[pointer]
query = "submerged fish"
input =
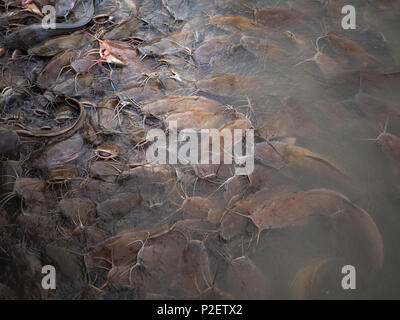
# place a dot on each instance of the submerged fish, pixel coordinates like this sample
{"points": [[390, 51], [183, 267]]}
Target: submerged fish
{"points": [[27, 36], [265, 49]]}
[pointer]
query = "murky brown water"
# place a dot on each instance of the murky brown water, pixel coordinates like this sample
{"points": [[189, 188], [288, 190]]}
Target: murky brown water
{"points": [[78, 193]]}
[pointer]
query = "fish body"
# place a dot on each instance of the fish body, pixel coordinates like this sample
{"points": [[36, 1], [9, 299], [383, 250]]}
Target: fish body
{"points": [[27, 36]]}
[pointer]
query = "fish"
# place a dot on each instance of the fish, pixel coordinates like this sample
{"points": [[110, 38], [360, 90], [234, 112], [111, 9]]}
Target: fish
{"points": [[54, 133], [28, 36], [265, 49], [56, 45], [348, 48], [278, 17], [230, 84], [240, 24]]}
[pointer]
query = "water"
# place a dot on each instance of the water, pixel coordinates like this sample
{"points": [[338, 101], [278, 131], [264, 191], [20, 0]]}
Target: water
{"points": [[315, 105]]}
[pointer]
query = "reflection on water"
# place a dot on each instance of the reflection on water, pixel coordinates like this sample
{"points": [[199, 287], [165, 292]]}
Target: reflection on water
{"points": [[324, 192]]}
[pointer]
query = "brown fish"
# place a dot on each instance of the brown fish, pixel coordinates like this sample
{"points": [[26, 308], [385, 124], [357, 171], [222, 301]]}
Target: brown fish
{"points": [[245, 280], [180, 104], [191, 112], [289, 121], [59, 153], [106, 115], [230, 84], [237, 24], [56, 45], [193, 275], [390, 145], [34, 193], [121, 249], [357, 55], [118, 52], [378, 110], [160, 256], [210, 48], [277, 17], [52, 72], [78, 210], [299, 164], [353, 231], [319, 276], [328, 66], [173, 44], [197, 208]]}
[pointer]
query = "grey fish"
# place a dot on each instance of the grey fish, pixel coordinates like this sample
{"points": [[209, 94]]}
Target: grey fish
{"points": [[27, 36]]}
